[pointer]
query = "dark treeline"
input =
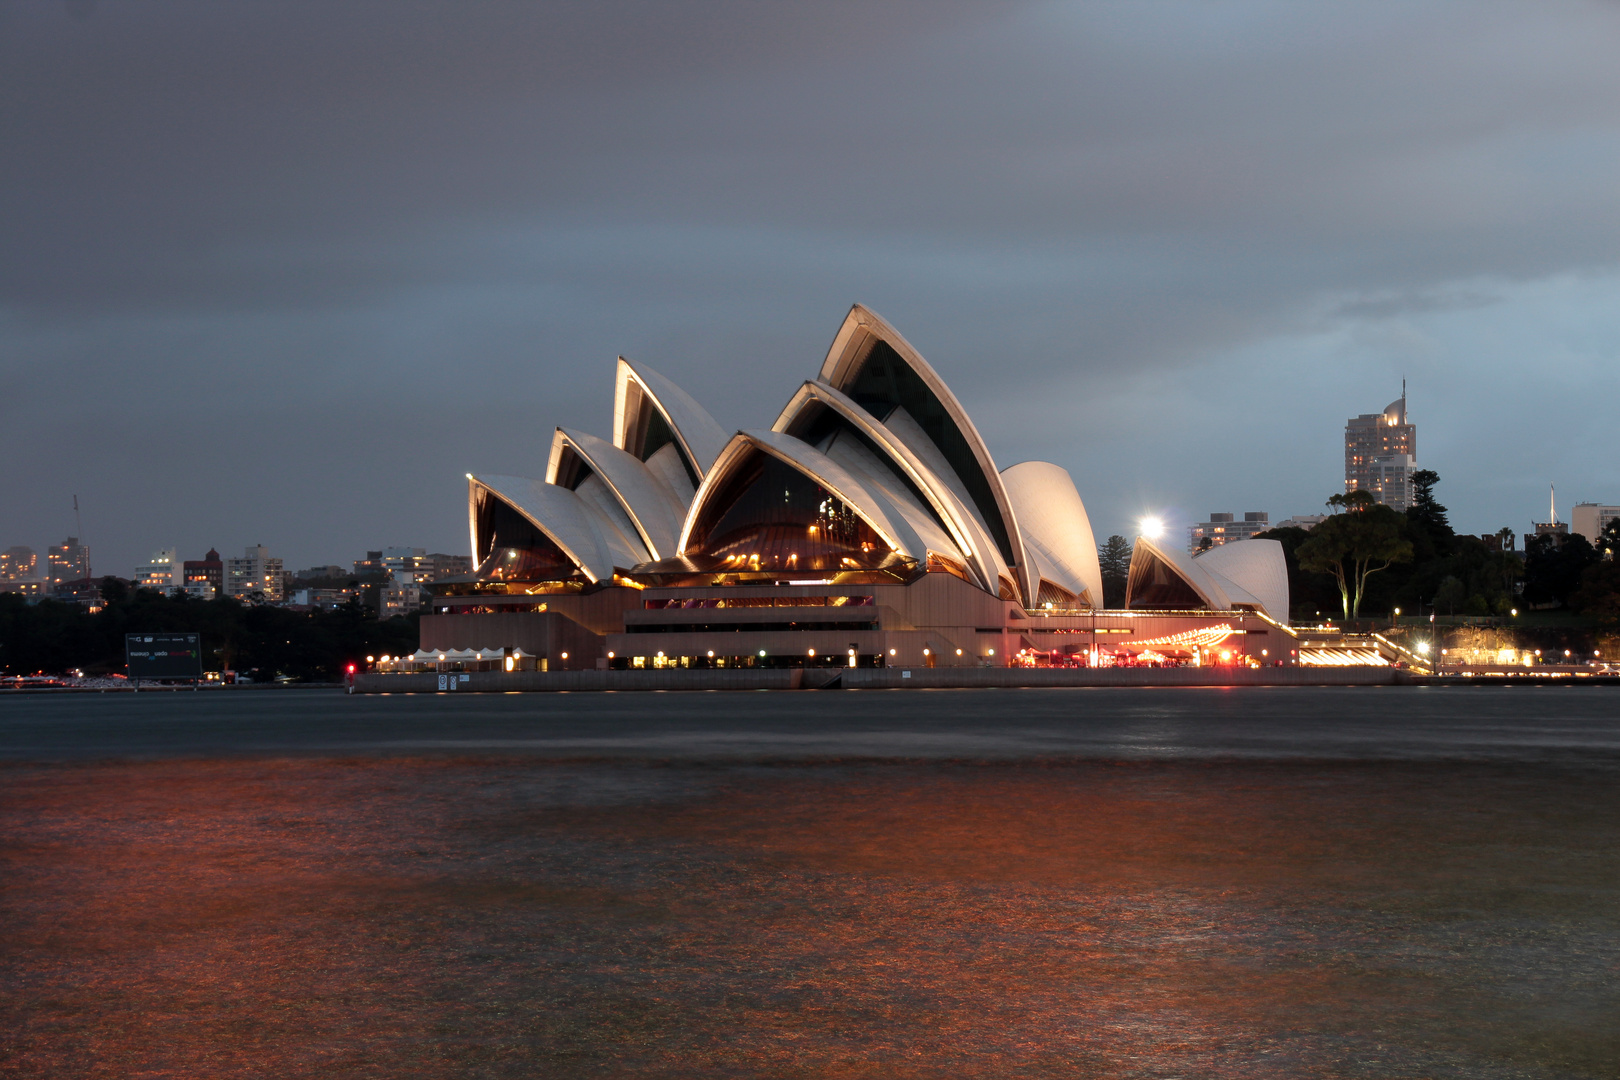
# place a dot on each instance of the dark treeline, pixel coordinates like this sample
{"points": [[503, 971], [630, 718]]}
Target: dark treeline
{"points": [[54, 637], [1429, 567]]}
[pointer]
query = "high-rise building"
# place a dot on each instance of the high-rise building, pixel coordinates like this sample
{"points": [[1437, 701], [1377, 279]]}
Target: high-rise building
{"points": [[1380, 454], [67, 562], [1223, 529], [204, 577], [1590, 519], [255, 573], [162, 572], [19, 564]]}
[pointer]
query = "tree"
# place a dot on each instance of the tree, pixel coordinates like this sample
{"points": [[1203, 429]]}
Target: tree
{"points": [[1430, 528], [1426, 509], [1307, 592], [1599, 594], [1553, 566], [1115, 560], [1451, 595], [1608, 541], [1351, 546]]}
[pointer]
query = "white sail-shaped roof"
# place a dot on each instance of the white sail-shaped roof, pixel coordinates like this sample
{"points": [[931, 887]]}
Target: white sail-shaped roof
{"points": [[877, 430], [1221, 578], [589, 539], [870, 471], [639, 392], [970, 543], [645, 501], [876, 367], [874, 508], [1166, 569], [1256, 568], [1055, 527]]}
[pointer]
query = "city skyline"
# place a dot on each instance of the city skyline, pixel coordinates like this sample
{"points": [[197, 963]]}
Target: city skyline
{"points": [[1188, 522], [283, 277]]}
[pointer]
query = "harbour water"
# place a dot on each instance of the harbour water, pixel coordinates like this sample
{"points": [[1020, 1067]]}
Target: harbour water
{"points": [[1368, 882]]}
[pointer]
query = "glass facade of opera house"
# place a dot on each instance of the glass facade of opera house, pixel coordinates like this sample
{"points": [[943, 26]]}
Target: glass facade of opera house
{"points": [[868, 526]]}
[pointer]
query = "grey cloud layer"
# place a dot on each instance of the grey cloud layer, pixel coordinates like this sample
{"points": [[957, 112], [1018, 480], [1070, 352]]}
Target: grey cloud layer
{"points": [[382, 224]]}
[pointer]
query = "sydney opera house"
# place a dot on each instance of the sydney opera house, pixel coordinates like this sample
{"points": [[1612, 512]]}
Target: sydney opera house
{"points": [[868, 526]]}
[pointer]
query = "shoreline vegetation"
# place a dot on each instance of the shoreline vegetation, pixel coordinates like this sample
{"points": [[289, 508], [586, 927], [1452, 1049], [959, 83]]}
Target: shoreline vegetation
{"points": [[259, 641]]}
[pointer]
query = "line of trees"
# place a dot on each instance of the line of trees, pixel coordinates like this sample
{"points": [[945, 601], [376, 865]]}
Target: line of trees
{"points": [[1368, 558], [261, 641]]}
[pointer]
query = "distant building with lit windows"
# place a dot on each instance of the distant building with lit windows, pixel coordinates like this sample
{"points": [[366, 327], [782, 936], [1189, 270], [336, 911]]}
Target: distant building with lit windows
{"points": [[414, 561], [1380, 454], [19, 572], [204, 577], [162, 572], [401, 596], [255, 572], [67, 562], [19, 564], [1223, 529]]}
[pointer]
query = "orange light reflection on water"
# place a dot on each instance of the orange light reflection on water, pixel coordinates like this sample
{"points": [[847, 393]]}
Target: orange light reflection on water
{"points": [[409, 918]]}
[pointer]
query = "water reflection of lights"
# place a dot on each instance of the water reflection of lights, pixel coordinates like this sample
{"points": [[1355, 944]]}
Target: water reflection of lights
{"points": [[1143, 920]]}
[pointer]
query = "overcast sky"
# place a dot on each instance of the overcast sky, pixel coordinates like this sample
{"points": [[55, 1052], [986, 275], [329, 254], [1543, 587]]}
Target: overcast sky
{"points": [[282, 273]]}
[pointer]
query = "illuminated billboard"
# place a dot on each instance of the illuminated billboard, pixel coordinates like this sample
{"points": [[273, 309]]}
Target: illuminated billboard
{"points": [[163, 656]]}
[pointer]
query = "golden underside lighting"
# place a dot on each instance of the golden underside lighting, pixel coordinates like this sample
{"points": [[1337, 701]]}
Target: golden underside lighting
{"points": [[1201, 638]]}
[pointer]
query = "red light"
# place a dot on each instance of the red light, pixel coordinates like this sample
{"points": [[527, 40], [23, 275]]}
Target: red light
{"points": [[351, 669]]}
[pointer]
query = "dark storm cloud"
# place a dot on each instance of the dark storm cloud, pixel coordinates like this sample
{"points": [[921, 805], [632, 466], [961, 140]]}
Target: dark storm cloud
{"points": [[336, 254]]}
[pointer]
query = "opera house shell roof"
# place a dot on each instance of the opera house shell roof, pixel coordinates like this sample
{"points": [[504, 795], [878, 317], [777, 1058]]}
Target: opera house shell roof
{"points": [[872, 472]]}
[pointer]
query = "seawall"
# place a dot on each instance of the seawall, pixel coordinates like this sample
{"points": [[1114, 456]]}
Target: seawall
{"points": [[867, 679]]}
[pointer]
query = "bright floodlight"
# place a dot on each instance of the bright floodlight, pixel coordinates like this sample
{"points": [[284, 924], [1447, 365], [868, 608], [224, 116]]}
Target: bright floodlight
{"points": [[1152, 528]]}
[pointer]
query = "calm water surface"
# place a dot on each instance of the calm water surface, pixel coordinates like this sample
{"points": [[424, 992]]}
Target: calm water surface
{"points": [[1376, 882]]}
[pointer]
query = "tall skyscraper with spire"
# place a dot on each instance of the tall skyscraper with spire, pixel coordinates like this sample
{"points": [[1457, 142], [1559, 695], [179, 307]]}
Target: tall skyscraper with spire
{"points": [[1380, 454]]}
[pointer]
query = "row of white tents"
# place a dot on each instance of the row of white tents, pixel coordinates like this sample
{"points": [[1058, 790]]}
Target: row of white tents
{"points": [[436, 657]]}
